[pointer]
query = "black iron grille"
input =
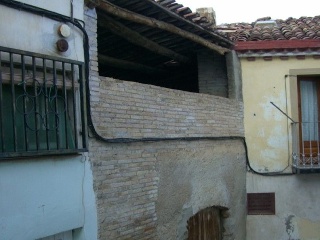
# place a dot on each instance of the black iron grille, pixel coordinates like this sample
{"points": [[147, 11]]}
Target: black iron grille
{"points": [[41, 104]]}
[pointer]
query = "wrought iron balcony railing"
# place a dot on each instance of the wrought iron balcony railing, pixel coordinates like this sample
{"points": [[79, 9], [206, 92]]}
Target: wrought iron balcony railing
{"points": [[306, 145], [41, 104]]}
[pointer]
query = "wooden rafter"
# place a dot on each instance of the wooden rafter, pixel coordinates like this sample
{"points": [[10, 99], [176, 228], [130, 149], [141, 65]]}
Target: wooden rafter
{"points": [[123, 64], [137, 39], [151, 22], [189, 16]]}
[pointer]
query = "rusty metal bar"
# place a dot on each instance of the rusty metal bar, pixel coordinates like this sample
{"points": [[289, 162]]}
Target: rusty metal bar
{"points": [[9, 155], [57, 120], [295, 143], [82, 103], [302, 145], [282, 112], [23, 78], [310, 146], [38, 55], [35, 102], [46, 102], [13, 98], [65, 98], [74, 101]]}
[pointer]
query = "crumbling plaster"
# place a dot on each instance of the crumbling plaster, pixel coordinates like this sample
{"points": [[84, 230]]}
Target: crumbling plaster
{"points": [[192, 179]]}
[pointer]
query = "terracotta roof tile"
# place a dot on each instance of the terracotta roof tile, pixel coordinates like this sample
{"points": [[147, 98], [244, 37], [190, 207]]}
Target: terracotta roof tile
{"points": [[193, 17], [265, 29], [185, 12]]}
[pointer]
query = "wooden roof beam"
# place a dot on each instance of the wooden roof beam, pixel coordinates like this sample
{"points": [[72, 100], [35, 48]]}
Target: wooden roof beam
{"points": [[188, 21], [137, 39], [123, 64], [151, 22]]}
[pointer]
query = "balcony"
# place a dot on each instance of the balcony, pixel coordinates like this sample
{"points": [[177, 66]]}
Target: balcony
{"points": [[306, 147]]}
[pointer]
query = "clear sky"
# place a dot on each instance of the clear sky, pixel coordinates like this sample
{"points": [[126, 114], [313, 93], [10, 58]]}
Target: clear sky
{"points": [[249, 10]]}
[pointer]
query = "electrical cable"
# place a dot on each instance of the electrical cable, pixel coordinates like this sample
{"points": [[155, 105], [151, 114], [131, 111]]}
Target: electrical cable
{"points": [[76, 22]]}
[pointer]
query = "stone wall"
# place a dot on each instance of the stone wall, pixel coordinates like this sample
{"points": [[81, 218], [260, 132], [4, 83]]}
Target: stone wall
{"points": [[149, 189]]}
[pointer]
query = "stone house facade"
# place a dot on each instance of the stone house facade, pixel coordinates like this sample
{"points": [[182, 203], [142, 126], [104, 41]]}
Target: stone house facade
{"points": [[280, 72], [117, 129], [159, 155]]}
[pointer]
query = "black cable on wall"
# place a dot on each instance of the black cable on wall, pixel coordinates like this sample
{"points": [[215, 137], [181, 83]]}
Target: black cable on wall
{"points": [[80, 25]]}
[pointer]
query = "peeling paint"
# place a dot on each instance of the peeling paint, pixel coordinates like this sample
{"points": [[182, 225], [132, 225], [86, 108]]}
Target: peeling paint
{"points": [[261, 133], [278, 137], [266, 131], [267, 109], [289, 225]]}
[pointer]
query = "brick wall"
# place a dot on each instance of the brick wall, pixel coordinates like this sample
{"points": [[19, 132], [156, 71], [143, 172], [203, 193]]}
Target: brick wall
{"points": [[212, 74], [133, 110], [127, 176], [123, 109], [148, 190], [126, 190]]}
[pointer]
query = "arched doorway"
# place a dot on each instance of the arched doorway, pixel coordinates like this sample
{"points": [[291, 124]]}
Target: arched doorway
{"points": [[205, 225]]}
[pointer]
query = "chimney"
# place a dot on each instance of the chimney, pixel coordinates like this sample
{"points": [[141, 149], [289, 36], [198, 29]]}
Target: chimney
{"points": [[209, 13]]}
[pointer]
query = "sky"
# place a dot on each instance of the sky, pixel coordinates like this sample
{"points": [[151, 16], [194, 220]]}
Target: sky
{"points": [[250, 10]]}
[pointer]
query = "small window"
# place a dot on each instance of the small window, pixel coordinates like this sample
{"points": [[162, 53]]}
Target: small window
{"points": [[40, 108]]}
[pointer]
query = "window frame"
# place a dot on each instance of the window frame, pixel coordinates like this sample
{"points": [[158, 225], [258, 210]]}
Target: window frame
{"points": [[72, 89], [302, 144]]}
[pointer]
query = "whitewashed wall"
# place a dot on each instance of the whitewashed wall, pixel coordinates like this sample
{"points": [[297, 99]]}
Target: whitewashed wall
{"points": [[29, 32], [59, 6], [41, 197]]}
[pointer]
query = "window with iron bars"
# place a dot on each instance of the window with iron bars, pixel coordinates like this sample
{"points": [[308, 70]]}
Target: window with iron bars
{"points": [[41, 105]]}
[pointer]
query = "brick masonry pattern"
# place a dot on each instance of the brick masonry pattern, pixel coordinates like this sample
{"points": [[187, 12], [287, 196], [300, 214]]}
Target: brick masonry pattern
{"points": [[132, 110], [125, 175], [126, 182]]}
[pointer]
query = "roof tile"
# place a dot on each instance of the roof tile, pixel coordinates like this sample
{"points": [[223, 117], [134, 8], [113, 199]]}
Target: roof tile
{"points": [[289, 29]]}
